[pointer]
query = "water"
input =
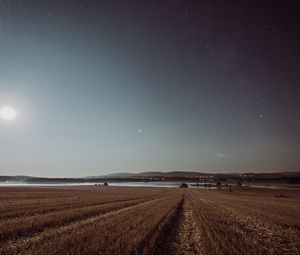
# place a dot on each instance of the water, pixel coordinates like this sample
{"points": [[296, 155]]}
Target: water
{"points": [[134, 184], [148, 184], [119, 184]]}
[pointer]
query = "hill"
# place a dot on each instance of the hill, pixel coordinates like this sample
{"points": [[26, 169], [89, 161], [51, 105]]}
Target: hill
{"points": [[285, 177]]}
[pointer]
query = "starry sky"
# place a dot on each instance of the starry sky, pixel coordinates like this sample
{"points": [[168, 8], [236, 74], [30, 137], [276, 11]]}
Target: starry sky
{"points": [[146, 85]]}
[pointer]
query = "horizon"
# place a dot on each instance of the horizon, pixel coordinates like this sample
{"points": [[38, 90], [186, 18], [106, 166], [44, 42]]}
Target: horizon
{"points": [[115, 173], [91, 87]]}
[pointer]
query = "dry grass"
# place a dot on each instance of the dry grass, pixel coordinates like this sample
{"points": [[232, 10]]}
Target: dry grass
{"points": [[101, 220], [245, 222]]}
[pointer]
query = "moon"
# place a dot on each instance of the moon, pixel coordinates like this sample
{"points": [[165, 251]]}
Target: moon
{"points": [[7, 113]]}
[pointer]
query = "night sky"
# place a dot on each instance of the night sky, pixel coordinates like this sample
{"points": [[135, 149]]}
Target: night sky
{"points": [[112, 86]]}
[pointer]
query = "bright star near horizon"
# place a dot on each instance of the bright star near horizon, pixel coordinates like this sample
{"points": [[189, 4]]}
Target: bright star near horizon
{"points": [[7, 113]]}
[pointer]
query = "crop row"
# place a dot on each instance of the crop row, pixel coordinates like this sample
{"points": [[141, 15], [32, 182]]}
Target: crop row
{"points": [[131, 230], [234, 228], [51, 202], [28, 226]]}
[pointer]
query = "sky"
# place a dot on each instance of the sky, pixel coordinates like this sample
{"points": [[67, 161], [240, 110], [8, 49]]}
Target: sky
{"points": [[105, 86]]}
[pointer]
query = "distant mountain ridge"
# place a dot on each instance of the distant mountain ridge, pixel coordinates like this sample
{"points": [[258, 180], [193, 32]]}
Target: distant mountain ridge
{"points": [[156, 176], [159, 174], [197, 174]]}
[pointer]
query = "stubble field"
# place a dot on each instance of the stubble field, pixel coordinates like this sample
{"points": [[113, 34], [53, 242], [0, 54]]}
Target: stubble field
{"points": [[120, 220]]}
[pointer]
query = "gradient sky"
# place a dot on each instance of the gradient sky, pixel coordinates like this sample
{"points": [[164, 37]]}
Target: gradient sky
{"points": [[113, 86]]}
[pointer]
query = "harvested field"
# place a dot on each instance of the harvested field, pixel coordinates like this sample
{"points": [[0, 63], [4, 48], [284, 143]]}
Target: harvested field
{"points": [[119, 220]]}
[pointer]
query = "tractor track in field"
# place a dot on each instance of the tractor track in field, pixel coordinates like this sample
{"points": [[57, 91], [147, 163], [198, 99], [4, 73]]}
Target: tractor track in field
{"points": [[183, 236], [188, 237]]}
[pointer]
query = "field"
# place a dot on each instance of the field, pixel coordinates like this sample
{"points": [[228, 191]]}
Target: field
{"points": [[120, 220]]}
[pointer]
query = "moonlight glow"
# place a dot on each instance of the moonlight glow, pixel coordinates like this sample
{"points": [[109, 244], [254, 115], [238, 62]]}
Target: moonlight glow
{"points": [[7, 113], [89, 88]]}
